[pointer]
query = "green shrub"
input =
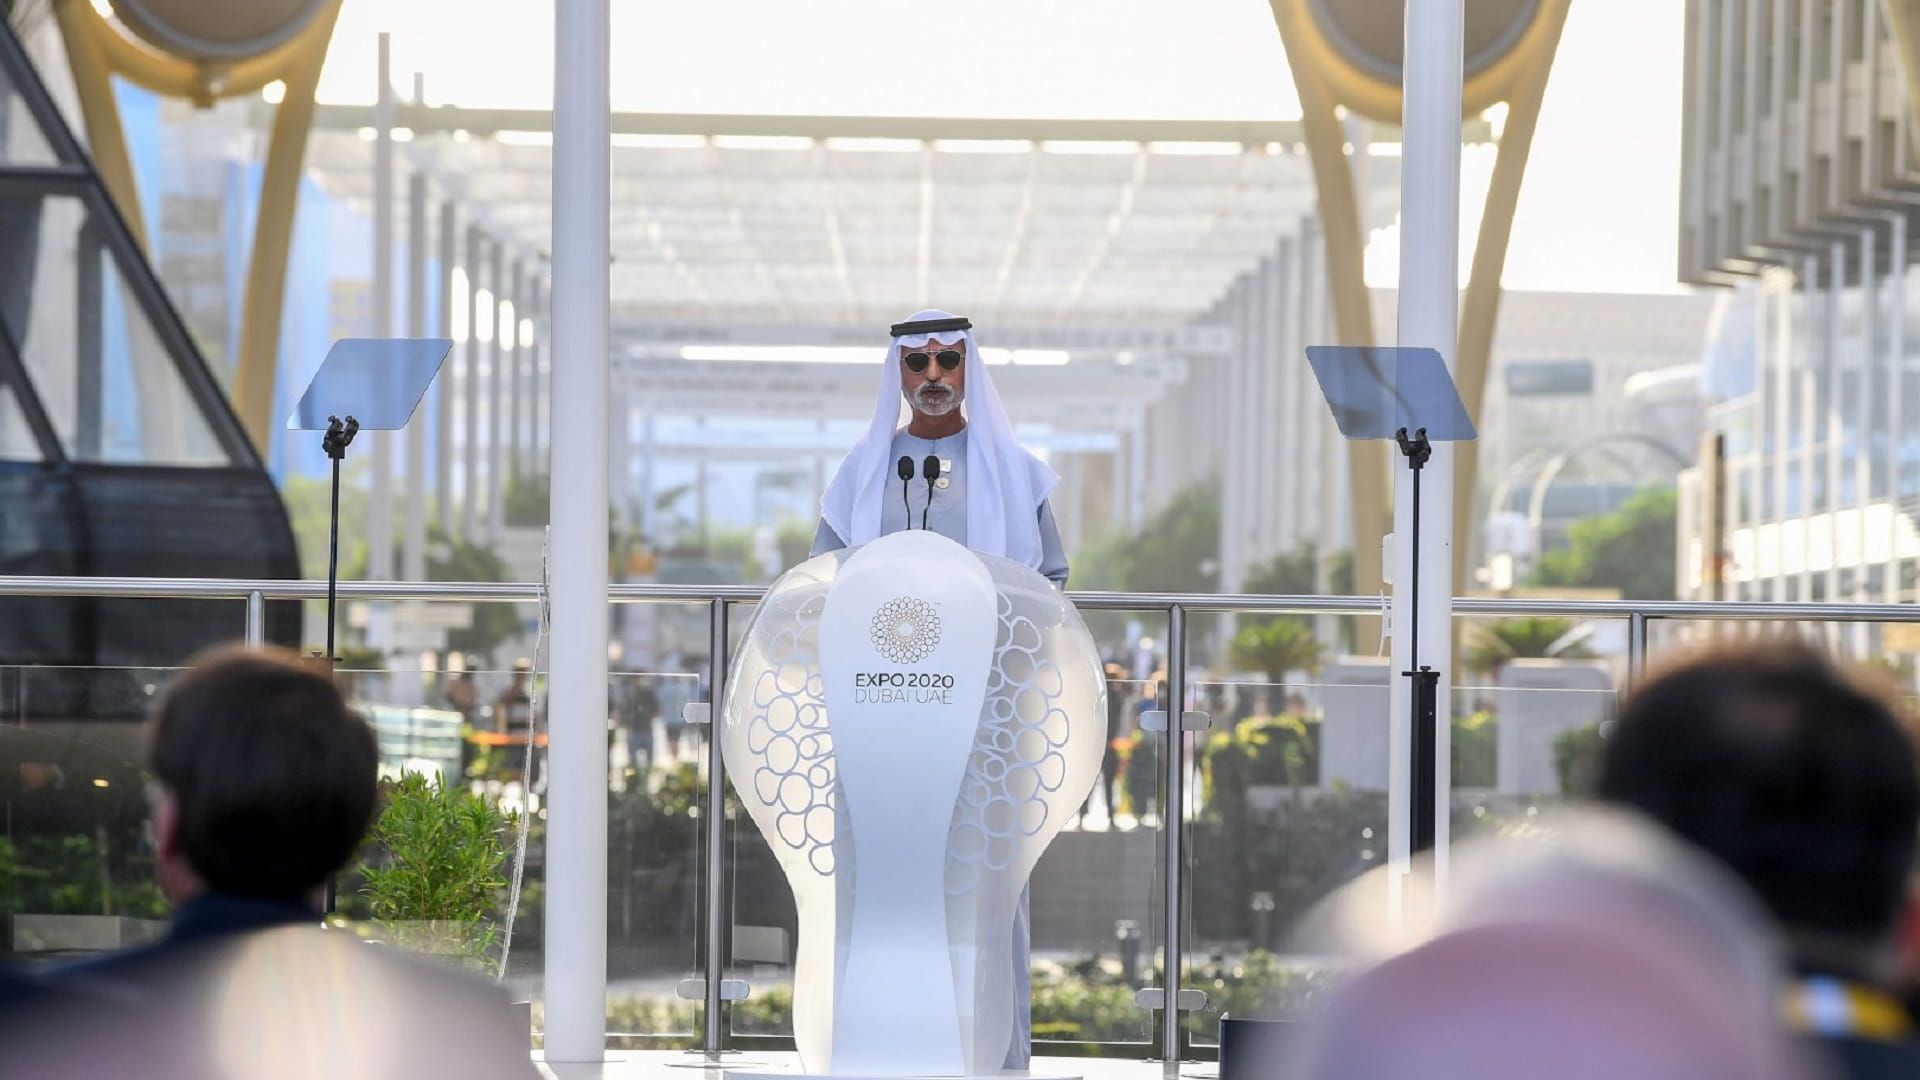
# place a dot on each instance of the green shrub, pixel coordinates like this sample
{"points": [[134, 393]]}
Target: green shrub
{"points": [[438, 854]]}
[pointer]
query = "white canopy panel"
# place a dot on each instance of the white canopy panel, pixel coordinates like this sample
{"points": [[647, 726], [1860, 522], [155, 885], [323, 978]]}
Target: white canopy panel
{"points": [[827, 229]]}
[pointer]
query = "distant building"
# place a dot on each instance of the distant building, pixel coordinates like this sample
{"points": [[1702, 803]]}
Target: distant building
{"points": [[1798, 179]]}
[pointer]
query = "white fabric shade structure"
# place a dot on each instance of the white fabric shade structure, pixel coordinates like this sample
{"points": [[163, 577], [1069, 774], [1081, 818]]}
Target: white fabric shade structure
{"points": [[811, 221]]}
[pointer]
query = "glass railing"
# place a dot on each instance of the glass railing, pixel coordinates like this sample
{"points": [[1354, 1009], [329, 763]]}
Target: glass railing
{"points": [[1283, 776]]}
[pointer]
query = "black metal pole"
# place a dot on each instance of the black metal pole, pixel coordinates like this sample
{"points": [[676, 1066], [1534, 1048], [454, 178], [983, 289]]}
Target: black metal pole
{"points": [[333, 556], [338, 437], [1424, 684]]}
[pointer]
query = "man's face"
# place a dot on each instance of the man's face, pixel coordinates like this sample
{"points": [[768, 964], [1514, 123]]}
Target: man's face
{"points": [[934, 391]]}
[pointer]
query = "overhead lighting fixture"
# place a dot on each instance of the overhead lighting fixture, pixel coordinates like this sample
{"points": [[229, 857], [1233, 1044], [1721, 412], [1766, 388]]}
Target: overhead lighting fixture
{"points": [[1090, 146], [983, 146], [781, 354], [875, 145], [762, 142], [1197, 149], [659, 142]]}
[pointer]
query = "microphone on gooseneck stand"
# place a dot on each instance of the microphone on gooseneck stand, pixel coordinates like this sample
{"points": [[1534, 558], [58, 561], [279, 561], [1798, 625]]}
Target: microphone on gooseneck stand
{"points": [[904, 467], [929, 471]]}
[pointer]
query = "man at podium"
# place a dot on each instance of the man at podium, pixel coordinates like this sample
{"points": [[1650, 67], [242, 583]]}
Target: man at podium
{"points": [[955, 467]]}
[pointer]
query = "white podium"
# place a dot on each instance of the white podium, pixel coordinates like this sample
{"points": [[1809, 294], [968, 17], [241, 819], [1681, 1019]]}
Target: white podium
{"points": [[909, 724]]}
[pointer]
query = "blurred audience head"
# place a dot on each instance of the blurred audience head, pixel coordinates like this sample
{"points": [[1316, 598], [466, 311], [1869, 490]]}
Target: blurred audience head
{"points": [[264, 779], [1795, 776], [1594, 948]]}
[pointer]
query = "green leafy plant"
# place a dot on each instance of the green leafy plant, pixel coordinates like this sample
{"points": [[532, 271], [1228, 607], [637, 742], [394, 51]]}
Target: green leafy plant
{"points": [[437, 855], [1277, 649], [1491, 645]]}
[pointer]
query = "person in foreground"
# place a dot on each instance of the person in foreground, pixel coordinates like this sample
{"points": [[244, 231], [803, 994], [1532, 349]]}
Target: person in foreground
{"points": [[263, 783], [1802, 781], [1596, 949]]}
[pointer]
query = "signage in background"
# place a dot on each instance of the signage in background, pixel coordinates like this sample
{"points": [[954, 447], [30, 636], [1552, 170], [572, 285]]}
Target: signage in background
{"points": [[1550, 378]]}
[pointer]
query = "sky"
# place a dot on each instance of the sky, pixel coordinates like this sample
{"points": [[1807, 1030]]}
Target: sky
{"points": [[1598, 210]]}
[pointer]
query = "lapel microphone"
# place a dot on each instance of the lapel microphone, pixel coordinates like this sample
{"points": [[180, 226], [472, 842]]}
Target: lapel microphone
{"points": [[930, 471], [904, 467]]}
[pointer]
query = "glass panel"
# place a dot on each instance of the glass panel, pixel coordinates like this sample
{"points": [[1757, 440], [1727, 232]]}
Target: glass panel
{"points": [[76, 859], [1095, 894], [655, 849], [1291, 805], [110, 388]]}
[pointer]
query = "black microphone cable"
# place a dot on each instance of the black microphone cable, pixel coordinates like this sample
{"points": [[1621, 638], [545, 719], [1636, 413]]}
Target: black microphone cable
{"points": [[904, 467], [930, 470]]}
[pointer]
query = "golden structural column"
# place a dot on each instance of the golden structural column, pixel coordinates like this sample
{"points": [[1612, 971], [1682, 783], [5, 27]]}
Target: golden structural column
{"points": [[282, 40], [1511, 45]]}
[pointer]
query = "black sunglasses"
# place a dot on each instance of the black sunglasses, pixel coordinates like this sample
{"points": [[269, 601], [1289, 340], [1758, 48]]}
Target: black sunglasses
{"points": [[917, 361]]}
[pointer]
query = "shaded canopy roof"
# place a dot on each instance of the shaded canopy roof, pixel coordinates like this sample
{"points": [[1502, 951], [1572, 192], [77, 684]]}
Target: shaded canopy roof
{"points": [[849, 221]]}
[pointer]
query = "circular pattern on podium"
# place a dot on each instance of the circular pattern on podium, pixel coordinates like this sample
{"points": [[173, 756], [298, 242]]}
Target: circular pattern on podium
{"points": [[1018, 758], [787, 736], [905, 630]]}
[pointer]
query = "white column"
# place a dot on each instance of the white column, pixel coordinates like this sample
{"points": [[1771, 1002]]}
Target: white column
{"points": [[470, 394], [1429, 314], [413, 557], [380, 502], [497, 396], [520, 436], [445, 387], [576, 946]]}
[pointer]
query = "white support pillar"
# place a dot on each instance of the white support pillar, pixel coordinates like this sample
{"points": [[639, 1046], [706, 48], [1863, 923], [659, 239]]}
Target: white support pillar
{"points": [[497, 396], [380, 499], [576, 946], [413, 552], [445, 387], [470, 394], [1429, 316], [520, 435]]}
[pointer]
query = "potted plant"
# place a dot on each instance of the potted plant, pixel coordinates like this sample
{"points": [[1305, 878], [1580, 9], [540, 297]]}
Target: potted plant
{"points": [[435, 867]]}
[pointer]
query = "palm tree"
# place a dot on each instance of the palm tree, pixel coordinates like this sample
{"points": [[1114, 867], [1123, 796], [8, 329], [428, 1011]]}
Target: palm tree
{"points": [[1491, 645], [1282, 646]]}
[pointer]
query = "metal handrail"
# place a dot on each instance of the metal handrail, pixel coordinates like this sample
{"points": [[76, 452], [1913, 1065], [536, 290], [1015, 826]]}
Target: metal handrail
{"points": [[1175, 607], [495, 591]]}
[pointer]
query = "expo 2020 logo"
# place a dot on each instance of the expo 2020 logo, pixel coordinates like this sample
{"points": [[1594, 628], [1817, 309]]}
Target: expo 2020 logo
{"points": [[905, 630]]}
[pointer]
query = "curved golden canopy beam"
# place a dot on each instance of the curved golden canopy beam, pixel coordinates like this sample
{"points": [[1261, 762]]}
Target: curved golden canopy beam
{"points": [[97, 50], [1327, 75]]}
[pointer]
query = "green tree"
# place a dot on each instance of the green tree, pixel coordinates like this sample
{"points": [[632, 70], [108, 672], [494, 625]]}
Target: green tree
{"points": [[309, 499], [1633, 549], [1177, 550], [529, 498]]}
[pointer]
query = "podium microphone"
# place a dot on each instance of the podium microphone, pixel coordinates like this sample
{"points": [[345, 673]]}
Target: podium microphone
{"points": [[904, 467], [929, 471]]}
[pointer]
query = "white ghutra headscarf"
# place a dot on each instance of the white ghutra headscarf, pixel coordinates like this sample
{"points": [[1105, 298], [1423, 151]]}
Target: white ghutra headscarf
{"points": [[1005, 483]]}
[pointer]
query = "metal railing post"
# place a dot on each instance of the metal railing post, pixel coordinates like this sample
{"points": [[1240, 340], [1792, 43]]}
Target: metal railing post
{"points": [[1172, 816], [1636, 649], [715, 811], [256, 619]]}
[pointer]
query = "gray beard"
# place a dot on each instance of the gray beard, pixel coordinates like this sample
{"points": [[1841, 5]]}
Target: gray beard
{"points": [[936, 405]]}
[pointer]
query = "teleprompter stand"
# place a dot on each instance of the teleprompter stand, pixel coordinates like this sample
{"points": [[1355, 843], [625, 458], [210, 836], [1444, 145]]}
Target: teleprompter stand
{"points": [[363, 383], [1407, 396]]}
